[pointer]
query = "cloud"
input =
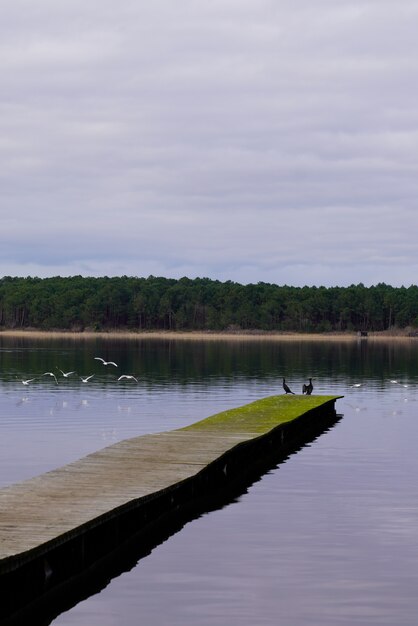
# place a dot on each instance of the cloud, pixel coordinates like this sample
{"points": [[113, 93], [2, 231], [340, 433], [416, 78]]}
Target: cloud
{"points": [[244, 140]]}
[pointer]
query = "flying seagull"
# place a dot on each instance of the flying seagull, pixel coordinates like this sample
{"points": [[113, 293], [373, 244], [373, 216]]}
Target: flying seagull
{"points": [[98, 358], [85, 379], [286, 388], [128, 376], [26, 382], [65, 374], [50, 374]]}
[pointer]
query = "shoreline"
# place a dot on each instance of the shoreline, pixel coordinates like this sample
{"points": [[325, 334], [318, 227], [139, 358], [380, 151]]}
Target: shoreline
{"points": [[204, 335]]}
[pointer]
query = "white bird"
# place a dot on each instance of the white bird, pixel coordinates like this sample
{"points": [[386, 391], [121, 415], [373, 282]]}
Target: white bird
{"points": [[395, 382], [356, 385], [128, 376], [50, 374], [85, 379], [65, 374], [26, 382], [98, 358]]}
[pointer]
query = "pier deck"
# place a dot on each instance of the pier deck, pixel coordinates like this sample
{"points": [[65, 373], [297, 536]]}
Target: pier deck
{"points": [[74, 513]]}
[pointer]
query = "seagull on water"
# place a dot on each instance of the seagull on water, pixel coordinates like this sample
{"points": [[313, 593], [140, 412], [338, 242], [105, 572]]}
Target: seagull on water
{"points": [[286, 388], [357, 385], [396, 382], [50, 374], [128, 376], [85, 379], [98, 358], [65, 374]]}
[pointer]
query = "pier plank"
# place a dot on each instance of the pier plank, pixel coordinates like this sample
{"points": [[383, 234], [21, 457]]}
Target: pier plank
{"points": [[49, 509]]}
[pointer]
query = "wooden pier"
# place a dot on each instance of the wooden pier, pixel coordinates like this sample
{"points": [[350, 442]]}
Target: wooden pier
{"points": [[58, 527]]}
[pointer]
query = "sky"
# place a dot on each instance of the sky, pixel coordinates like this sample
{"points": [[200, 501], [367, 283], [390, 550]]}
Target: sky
{"points": [[243, 140]]}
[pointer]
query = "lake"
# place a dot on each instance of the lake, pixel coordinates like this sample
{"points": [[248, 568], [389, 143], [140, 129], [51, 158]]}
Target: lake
{"points": [[330, 536]]}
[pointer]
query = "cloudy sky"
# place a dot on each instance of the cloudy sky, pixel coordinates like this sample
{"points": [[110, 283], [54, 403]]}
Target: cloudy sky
{"points": [[244, 140]]}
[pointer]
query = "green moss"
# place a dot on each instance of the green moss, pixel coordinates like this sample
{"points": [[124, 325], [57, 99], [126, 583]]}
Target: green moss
{"points": [[262, 415]]}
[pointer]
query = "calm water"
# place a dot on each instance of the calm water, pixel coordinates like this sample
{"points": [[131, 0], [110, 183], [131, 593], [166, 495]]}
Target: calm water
{"points": [[328, 537]]}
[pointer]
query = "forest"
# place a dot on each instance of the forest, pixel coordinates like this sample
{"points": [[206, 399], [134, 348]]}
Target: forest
{"points": [[155, 303]]}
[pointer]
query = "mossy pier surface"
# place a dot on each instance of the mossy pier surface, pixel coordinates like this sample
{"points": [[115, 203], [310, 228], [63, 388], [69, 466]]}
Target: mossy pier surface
{"points": [[260, 416], [57, 525]]}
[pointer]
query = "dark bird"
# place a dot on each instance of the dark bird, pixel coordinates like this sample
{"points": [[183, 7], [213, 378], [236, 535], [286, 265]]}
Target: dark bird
{"points": [[286, 388], [308, 388]]}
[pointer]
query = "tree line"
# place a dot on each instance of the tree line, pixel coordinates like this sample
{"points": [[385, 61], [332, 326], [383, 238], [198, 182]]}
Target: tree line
{"points": [[157, 303]]}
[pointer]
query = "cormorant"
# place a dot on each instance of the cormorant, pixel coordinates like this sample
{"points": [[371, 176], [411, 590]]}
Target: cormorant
{"points": [[286, 388], [308, 388]]}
